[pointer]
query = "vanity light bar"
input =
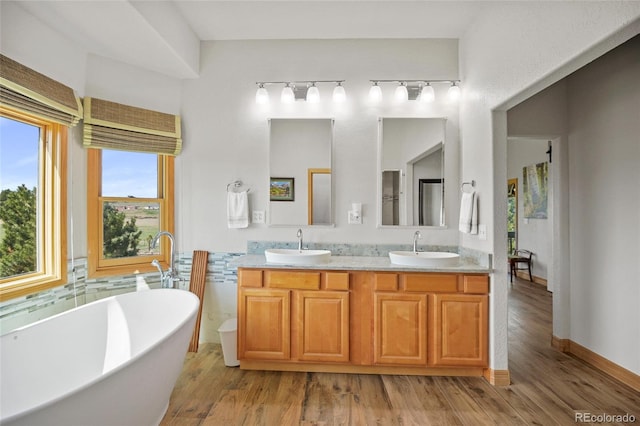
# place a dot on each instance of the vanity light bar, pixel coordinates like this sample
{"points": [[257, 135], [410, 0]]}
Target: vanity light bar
{"points": [[305, 89], [413, 89]]}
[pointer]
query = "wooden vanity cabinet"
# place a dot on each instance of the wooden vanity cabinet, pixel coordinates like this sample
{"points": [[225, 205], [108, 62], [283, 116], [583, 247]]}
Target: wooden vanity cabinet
{"points": [[265, 325], [400, 329], [460, 326], [293, 315], [322, 326], [363, 321], [430, 319]]}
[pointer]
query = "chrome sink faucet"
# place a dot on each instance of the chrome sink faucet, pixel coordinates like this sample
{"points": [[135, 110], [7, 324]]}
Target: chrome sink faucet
{"points": [[168, 278], [299, 235], [416, 237]]}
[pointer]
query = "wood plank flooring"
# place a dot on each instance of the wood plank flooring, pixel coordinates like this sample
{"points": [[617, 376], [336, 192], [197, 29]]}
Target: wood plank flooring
{"points": [[548, 388]]}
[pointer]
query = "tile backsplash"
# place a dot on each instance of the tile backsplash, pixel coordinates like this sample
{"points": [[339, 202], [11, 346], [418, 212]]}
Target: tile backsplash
{"points": [[376, 250]]}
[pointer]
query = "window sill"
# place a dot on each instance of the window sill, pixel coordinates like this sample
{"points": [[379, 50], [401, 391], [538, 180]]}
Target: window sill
{"points": [[23, 286]]}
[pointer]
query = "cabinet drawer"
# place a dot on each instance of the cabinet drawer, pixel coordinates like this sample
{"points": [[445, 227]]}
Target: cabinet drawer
{"points": [[250, 278], [385, 282], [430, 283], [476, 284], [337, 281], [294, 280]]}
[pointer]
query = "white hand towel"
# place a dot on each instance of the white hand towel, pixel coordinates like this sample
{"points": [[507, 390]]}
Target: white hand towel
{"points": [[469, 213], [237, 209]]}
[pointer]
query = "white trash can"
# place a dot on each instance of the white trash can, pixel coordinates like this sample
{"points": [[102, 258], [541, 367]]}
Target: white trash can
{"points": [[229, 340]]}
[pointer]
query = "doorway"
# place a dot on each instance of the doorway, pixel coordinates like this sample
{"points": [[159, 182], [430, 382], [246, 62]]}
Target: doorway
{"points": [[319, 196]]}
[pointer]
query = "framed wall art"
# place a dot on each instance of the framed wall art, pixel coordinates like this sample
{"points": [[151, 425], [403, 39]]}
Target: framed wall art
{"points": [[282, 189]]}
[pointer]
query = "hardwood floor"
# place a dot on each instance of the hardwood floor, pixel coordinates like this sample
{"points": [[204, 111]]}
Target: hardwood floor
{"points": [[548, 387]]}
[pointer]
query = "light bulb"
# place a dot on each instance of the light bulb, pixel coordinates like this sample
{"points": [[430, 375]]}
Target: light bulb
{"points": [[401, 94], [313, 94], [427, 94], [339, 95], [454, 92], [287, 96], [262, 96], [375, 93]]}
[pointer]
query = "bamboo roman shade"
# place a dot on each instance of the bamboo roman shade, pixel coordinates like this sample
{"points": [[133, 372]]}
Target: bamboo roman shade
{"points": [[111, 125], [26, 90]]}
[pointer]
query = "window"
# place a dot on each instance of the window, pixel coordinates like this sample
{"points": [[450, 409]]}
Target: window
{"points": [[130, 199], [33, 204]]}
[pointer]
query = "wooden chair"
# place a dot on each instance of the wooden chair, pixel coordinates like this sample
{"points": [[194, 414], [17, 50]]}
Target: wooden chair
{"points": [[518, 258]]}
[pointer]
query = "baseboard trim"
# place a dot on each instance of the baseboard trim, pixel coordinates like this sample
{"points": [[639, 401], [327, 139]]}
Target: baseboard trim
{"points": [[598, 361], [497, 377], [536, 279], [563, 345]]}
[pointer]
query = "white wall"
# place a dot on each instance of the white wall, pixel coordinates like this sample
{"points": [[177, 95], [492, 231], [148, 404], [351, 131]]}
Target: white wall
{"points": [[604, 173], [119, 82], [24, 38], [509, 53], [227, 135]]}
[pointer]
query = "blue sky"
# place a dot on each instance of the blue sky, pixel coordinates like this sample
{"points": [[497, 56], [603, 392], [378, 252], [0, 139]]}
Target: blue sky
{"points": [[129, 173], [18, 154], [123, 173]]}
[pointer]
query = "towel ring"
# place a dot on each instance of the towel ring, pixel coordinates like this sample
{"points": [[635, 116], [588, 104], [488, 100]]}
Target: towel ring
{"points": [[236, 184], [472, 183]]}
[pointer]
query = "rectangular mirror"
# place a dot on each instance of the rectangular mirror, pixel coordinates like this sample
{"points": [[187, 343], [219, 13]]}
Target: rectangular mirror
{"points": [[300, 156], [411, 172]]}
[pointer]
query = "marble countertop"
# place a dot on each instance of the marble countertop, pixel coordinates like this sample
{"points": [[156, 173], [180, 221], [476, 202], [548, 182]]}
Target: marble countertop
{"points": [[359, 263]]}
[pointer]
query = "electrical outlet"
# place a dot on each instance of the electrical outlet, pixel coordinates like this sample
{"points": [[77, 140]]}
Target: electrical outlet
{"points": [[482, 232], [257, 216]]}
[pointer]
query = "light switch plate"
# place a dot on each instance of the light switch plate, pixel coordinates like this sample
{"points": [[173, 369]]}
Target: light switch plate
{"points": [[482, 232], [257, 216]]}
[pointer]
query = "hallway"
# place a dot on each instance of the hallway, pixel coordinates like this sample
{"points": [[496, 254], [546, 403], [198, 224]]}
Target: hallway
{"points": [[548, 387]]}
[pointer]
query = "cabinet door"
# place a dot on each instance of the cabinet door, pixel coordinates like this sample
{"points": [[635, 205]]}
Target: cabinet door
{"points": [[460, 330], [323, 325], [400, 329], [264, 327]]}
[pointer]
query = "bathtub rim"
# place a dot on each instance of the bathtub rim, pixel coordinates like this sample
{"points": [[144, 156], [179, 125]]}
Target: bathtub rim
{"points": [[113, 371]]}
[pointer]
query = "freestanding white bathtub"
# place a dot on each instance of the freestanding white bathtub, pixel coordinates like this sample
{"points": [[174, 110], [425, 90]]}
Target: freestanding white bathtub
{"points": [[111, 362]]}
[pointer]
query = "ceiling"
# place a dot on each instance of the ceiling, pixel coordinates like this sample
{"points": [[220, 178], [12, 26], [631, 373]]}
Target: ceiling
{"points": [[165, 36], [241, 20]]}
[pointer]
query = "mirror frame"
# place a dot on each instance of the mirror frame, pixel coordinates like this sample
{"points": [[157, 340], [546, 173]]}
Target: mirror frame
{"points": [[310, 174], [305, 221], [379, 224]]}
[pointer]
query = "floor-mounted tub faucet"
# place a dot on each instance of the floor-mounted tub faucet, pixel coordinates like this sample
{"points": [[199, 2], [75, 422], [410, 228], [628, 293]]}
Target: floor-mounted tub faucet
{"points": [[168, 278], [416, 237], [299, 235]]}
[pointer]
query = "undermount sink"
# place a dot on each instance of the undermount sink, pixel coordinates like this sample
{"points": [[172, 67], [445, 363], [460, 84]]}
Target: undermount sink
{"points": [[429, 259], [297, 257]]}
